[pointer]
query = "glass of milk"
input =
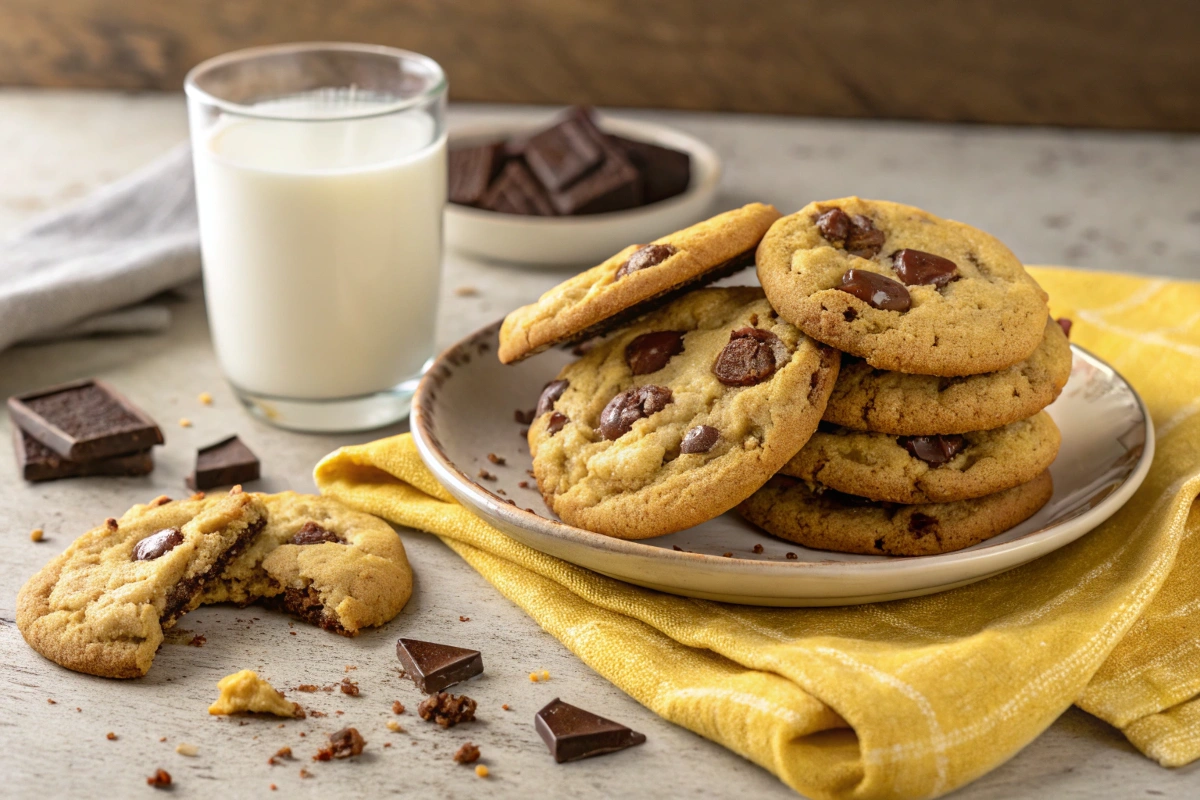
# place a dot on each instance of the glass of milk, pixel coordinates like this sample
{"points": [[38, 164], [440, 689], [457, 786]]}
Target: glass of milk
{"points": [[320, 181]]}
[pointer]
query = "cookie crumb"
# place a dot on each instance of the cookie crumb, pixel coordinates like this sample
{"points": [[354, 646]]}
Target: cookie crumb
{"points": [[394, 727], [36, 535], [481, 770], [184, 422], [461, 618], [523, 484], [273, 787], [112, 737], [349, 687], [161, 500], [467, 754], [791, 556], [345, 743], [447, 709], [306, 687], [466, 290], [397, 707], [197, 641], [205, 399], [349, 667], [505, 707], [758, 548], [485, 475], [185, 749], [161, 779], [495, 459], [387, 744], [533, 678], [726, 555], [284, 752], [545, 675], [162, 738], [305, 773], [80, 710], [51, 701]]}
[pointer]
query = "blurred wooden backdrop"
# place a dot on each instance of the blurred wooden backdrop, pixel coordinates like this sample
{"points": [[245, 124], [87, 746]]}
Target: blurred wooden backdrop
{"points": [[1102, 63]]}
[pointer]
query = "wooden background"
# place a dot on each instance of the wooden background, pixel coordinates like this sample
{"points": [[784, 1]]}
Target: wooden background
{"points": [[1102, 63]]}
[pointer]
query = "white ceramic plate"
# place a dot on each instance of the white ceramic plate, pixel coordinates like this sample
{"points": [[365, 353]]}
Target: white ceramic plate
{"points": [[464, 408], [588, 239]]}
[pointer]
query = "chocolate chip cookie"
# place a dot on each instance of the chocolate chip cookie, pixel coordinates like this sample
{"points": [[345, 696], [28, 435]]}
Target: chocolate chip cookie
{"points": [[829, 520], [865, 398], [678, 417], [339, 569], [901, 288], [927, 469], [636, 280], [101, 606]]}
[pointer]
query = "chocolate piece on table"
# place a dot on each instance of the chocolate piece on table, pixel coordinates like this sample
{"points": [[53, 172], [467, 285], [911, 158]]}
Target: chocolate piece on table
{"points": [[516, 191], [36, 462], [572, 733], [433, 667], [562, 154], [471, 170], [665, 172], [225, 463], [85, 421]]}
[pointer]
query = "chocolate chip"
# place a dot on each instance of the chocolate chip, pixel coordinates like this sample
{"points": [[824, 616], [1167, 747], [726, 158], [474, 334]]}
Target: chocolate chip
{"points": [[834, 225], [876, 290], [556, 422], [312, 533], [345, 743], [751, 357], [650, 352], [921, 524], [550, 395], [864, 239], [629, 406], [1065, 324], [647, 256], [934, 450], [447, 709], [699, 439], [158, 544], [917, 266]]}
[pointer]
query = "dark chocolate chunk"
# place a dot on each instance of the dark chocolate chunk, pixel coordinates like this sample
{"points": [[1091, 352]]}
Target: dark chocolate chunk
{"points": [[550, 395], [346, 743], [751, 357], [471, 171], [699, 439], [561, 154], [665, 172], [36, 462], [933, 450], [920, 524], [312, 533], [612, 186], [557, 421], [572, 733], [875, 290], [1065, 324], [158, 544], [447, 709], [225, 463], [864, 239], [433, 667], [648, 255], [650, 352], [834, 225], [85, 421], [629, 406], [516, 191], [918, 267]]}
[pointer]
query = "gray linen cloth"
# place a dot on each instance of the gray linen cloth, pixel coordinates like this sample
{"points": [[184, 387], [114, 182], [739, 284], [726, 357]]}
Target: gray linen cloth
{"points": [[78, 271]]}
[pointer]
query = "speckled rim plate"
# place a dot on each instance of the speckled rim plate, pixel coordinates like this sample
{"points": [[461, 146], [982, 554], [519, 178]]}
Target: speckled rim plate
{"points": [[463, 411]]}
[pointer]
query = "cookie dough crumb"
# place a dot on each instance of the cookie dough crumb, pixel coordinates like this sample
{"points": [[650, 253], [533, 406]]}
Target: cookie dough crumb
{"points": [[349, 687], [467, 754], [36, 535], [495, 459], [345, 743], [245, 691], [394, 727], [466, 290], [161, 779], [112, 737], [447, 709], [481, 770], [184, 422], [397, 707], [185, 749], [205, 399]]}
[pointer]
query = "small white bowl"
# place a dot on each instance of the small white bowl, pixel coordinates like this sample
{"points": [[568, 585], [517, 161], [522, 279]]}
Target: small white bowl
{"points": [[591, 238]]}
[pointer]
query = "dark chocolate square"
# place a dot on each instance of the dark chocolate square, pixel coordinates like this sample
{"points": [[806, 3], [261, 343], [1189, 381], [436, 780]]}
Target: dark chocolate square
{"points": [[665, 172], [225, 463], [562, 154], [433, 667], [85, 421], [572, 733], [36, 462], [471, 170], [516, 191]]}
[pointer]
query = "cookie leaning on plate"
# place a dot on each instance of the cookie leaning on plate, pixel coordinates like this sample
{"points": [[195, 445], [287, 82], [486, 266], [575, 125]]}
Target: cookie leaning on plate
{"points": [[677, 418], [636, 280], [334, 567], [901, 288], [101, 606], [865, 398], [786, 507], [928, 469]]}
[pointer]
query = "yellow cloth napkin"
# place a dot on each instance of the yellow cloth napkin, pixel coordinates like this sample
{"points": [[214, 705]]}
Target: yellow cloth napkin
{"points": [[916, 697]]}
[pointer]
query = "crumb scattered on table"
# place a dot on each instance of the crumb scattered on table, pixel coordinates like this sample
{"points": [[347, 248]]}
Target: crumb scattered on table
{"points": [[467, 754], [205, 399], [36, 535], [466, 290], [758, 548], [349, 687], [161, 779], [397, 707], [495, 459], [112, 737], [461, 618], [184, 422], [185, 749], [481, 770]]}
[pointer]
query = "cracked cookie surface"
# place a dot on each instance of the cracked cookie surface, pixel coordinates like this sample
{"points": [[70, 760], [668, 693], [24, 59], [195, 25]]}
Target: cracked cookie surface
{"points": [[788, 508], [635, 280], [865, 398], [677, 418], [927, 469], [101, 606], [903, 289]]}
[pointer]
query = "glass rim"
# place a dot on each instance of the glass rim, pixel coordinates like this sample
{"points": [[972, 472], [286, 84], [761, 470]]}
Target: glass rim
{"points": [[192, 89]]}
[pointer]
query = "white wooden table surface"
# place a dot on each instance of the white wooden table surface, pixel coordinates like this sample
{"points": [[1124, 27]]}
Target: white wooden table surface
{"points": [[1108, 201]]}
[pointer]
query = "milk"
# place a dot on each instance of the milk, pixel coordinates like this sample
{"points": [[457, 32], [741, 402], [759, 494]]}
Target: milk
{"points": [[322, 247]]}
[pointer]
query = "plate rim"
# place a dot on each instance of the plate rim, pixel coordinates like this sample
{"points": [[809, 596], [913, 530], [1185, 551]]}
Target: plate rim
{"points": [[478, 498]]}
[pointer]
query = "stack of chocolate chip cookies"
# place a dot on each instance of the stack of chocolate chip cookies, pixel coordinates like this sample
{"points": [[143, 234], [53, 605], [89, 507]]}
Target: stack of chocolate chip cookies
{"points": [[931, 434]]}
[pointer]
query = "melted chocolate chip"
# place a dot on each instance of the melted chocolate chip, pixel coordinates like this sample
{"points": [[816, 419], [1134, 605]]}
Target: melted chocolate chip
{"points": [[920, 524], [158, 544], [864, 239], [699, 439], [876, 290], [647, 256], [629, 406], [650, 352], [751, 357], [933, 450], [312, 533], [1065, 324], [834, 225], [557, 421], [550, 395], [916, 267]]}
